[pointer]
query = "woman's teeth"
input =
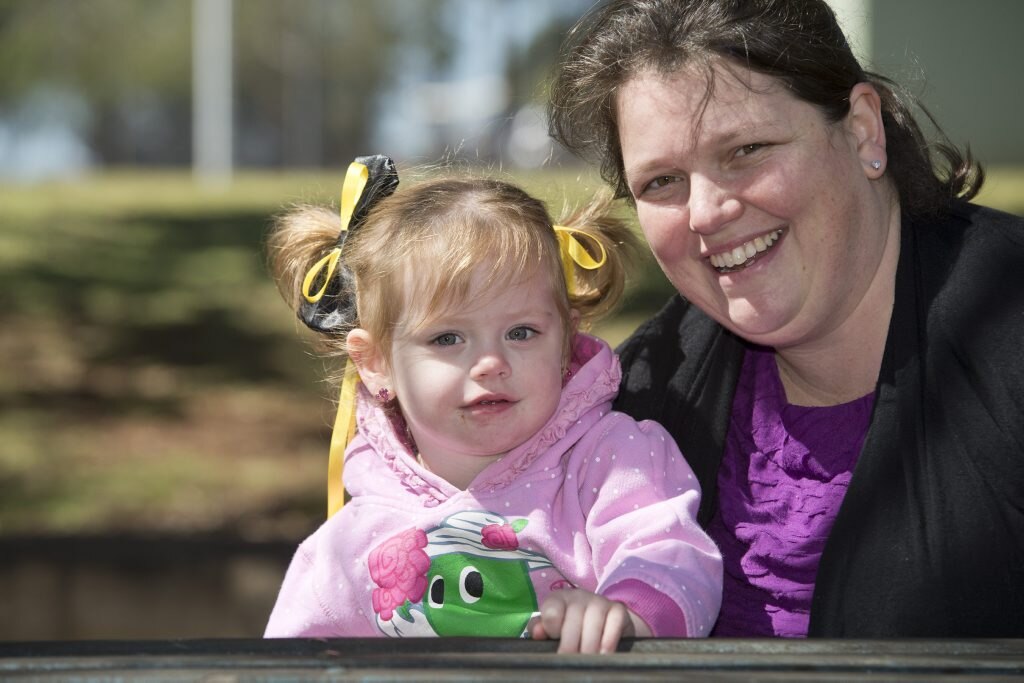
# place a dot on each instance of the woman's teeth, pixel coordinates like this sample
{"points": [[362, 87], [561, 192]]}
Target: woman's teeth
{"points": [[745, 254]]}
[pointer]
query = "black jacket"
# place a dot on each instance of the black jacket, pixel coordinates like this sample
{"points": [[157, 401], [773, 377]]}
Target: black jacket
{"points": [[929, 540]]}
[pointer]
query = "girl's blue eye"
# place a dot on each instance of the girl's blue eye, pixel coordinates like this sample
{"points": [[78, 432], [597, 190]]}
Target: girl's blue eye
{"points": [[447, 339], [521, 333]]}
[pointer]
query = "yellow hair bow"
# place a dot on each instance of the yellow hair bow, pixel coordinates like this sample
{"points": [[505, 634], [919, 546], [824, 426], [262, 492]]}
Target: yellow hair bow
{"points": [[351, 190], [345, 420], [575, 254]]}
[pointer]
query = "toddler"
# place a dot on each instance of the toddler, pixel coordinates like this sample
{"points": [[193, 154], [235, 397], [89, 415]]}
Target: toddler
{"points": [[493, 491]]}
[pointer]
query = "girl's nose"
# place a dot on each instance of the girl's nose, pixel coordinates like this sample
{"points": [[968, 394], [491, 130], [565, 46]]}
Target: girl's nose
{"points": [[490, 364], [711, 205]]}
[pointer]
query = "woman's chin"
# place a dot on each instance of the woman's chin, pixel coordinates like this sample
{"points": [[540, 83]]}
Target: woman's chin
{"points": [[763, 327]]}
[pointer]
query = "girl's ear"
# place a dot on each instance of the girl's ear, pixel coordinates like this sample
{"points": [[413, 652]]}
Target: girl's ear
{"points": [[864, 121], [369, 360]]}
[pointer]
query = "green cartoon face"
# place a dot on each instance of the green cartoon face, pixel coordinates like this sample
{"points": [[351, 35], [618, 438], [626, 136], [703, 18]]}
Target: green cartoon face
{"points": [[469, 595]]}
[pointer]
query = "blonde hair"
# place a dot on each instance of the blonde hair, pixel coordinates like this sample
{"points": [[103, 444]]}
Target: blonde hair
{"points": [[440, 230]]}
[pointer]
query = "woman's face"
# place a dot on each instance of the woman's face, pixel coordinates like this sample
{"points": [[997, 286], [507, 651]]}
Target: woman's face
{"points": [[759, 211]]}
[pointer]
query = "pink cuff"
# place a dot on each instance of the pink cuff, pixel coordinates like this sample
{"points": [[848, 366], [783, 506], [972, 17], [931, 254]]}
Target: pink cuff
{"points": [[661, 614]]}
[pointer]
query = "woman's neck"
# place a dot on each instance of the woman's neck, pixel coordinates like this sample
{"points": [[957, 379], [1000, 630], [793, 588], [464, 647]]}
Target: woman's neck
{"points": [[829, 378]]}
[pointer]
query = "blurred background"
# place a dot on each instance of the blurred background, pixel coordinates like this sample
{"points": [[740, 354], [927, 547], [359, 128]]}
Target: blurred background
{"points": [[163, 425]]}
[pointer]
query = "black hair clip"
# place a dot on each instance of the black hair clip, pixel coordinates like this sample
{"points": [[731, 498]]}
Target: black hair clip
{"points": [[327, 304]]}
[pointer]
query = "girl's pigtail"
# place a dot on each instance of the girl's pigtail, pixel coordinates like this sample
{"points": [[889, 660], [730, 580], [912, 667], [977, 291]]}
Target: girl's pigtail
{"points": [[306, 246], [306, 260], [328, 302], [595, 292], [297, 240]]}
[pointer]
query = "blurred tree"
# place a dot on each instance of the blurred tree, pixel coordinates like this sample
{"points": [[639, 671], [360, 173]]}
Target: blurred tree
{"points": [[528, 71], [307, 72], [127, 60]]}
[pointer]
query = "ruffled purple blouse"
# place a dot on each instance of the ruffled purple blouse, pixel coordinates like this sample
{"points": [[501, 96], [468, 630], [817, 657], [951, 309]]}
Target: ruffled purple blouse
{"points": [[784, 473]]}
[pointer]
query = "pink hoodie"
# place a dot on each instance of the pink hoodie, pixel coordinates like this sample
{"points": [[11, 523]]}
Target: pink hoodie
{"points": [[594, 500]]}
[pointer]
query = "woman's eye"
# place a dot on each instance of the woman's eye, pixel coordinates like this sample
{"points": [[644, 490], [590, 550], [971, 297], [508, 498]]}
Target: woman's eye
{"points": [[446, 339], [661, 181], [749, 149], [521, 333]]}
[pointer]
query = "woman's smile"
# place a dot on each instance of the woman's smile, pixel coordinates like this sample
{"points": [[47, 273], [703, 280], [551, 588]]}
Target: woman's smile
{"points": [[738, 258]]}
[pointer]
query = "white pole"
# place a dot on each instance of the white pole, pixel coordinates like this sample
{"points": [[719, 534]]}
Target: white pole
{"points": [[855, 18], [212, 110]]}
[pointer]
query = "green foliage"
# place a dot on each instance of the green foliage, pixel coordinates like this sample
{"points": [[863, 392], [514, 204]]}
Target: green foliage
{"points": [[148, 355], [153, 377], [306, 72], [102, 46]]}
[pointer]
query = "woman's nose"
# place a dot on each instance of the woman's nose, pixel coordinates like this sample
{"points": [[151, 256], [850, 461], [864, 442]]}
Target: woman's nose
{"points": [[711, 205], [490, 364]]}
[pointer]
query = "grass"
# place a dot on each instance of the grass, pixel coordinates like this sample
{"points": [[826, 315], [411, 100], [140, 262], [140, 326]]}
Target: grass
{"points": [[153, 379]]}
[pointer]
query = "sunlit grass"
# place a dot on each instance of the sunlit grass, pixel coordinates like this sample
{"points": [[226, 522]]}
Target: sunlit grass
{"points": [[179, 193], [153, 378], [1003, 189]]}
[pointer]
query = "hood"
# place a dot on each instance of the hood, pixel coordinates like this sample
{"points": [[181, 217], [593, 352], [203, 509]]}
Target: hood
{"points": [[593, 382]]}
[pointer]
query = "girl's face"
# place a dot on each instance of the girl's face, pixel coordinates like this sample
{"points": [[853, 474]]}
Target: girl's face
{"points": [[483, 376], [759, 211]]}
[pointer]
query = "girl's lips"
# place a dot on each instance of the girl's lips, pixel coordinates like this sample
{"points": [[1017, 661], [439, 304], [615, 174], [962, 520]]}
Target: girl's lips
{"points": [[489, 402], [745, 254], [489, 406]]}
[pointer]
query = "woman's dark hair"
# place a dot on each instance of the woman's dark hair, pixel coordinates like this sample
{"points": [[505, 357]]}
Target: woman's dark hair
{"points": [[797, 42]]}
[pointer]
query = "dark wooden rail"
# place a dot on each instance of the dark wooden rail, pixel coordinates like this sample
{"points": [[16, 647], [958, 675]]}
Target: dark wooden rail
{"points": [[464, 659]]}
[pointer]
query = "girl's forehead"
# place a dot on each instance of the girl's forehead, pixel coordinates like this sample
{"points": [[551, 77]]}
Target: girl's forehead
{"points": [[430, 294]]}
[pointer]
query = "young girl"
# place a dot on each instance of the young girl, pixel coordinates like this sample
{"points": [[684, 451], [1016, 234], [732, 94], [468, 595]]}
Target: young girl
{"points": [[493, 490]]}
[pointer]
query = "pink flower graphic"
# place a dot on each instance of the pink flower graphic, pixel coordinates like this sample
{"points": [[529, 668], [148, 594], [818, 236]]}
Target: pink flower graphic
{"points": [[399, 566], [499, 537]]}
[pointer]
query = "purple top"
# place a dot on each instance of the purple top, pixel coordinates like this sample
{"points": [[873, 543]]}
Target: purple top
{"points": [[784, 473]]}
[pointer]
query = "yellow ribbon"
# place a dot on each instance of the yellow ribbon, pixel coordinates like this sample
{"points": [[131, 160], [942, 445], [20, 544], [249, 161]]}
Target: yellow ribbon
{"points": [[575, 254], [345, 421], [331, 261], [344, 429], [355, 182]]}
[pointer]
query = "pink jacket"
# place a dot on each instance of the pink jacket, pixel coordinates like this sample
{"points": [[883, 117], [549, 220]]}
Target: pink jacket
{"points": [[594, 500]]}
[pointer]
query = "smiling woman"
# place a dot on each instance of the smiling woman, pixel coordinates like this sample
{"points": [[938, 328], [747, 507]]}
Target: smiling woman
{"points": [[767, 167], [841, 366]]}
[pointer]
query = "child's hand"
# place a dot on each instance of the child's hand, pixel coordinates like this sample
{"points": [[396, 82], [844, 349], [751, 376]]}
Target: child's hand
{"points": [[586, 622]]}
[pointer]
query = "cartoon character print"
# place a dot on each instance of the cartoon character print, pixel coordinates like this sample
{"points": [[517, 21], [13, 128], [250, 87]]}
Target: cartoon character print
{"points": [[466, 577]]}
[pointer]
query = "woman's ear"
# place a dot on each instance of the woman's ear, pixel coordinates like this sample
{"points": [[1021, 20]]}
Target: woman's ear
{"points": [[369, 360], [864, 122]]}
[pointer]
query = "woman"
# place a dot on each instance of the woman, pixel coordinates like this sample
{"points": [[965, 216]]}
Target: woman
{"points": [[841, 368]]}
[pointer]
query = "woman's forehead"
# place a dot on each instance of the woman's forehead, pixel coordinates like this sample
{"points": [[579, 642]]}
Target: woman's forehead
{"points": [[714, 107], [692, 88]]}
